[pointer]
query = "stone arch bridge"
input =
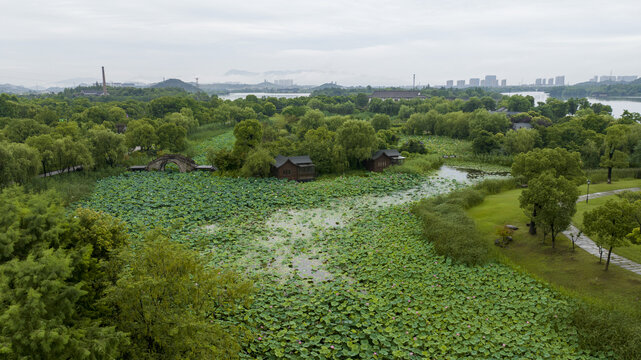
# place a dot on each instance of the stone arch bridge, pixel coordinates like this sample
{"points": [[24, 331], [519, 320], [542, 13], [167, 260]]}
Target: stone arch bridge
{"points": [[184, 163]]}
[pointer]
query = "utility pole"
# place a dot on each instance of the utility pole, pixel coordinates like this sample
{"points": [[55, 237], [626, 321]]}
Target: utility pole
{"points": [[196, 81]]}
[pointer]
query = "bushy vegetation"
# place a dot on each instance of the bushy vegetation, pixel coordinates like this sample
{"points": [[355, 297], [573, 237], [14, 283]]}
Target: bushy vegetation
{"points": [[418, 164], [450, 230], [610, 330]]}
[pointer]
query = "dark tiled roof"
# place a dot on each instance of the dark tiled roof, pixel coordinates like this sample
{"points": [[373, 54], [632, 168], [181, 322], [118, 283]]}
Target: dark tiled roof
{"points": [[392, 153], [303, 160], [396, 94]]}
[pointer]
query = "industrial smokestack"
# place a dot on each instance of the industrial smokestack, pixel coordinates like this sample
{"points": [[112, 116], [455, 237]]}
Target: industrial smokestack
{"points": [[104, 82]]}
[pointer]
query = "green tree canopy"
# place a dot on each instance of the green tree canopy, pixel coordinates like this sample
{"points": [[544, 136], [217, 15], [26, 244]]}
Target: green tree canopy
{"points": [[174, 306], [18, 130], [171, 137], [610, 224], [559, 161], [19, 163], [319, 144], [358, 139], [107, 147], [313, 119], [614, 157], [550, 202], [521, 141], [258, 163], [140, 133], [248, 135], [381, 122], [45, 145], [484, 142]]}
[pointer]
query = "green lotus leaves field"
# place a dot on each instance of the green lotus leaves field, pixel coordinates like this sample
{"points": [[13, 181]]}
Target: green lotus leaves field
{"points": [[387, 295]]}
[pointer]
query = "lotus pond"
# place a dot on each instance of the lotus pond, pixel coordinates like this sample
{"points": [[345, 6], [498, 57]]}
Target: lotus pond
{"points": [[341, 268]]}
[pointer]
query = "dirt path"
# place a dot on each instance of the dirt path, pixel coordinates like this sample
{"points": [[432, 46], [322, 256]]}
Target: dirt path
{"points": [[590, 246]]}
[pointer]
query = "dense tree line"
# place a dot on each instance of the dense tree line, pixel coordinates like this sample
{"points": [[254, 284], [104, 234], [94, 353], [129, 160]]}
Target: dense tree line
{"points": [[597, 89], [60, 131]]}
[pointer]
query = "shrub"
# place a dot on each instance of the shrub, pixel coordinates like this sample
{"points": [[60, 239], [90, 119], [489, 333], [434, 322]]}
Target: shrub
{"points": [[611, 330], [495, 186], [421, 164], [450, 230], [465, 198], [258, 163], [503, 160], [631, 196], [601, 175]]}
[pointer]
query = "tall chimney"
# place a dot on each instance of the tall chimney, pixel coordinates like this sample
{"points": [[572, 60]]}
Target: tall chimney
{"points": [[104, 82]]}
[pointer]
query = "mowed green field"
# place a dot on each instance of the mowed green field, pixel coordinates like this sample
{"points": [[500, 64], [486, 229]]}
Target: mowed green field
{"points": [[575, 271], [384, 293]]}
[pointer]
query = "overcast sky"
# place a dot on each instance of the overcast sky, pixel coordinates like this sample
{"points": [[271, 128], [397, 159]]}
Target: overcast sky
{"points": [[351, 42]]}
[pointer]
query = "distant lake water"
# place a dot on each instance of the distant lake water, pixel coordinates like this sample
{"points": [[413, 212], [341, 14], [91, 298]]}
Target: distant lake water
{"points": [[234, 96], [617, 104]]}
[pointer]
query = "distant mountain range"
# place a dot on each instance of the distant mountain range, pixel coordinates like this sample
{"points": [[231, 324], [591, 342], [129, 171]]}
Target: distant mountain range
{"points": [[14, 89]]}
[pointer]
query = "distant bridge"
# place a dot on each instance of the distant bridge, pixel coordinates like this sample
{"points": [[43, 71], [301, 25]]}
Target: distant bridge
{"points": [[184, 163]]}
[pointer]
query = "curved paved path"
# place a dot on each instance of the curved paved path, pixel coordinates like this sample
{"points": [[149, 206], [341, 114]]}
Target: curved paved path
{"points": [[588, 245]]}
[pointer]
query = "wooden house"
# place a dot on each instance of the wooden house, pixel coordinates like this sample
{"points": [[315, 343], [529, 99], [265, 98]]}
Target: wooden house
{"points": [[299, 168], [383, 159]]}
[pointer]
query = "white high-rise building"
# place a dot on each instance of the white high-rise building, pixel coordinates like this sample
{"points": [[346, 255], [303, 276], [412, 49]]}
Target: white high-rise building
{"points": [[460, 83], [475, 82], [491, 81], [560, 80]]}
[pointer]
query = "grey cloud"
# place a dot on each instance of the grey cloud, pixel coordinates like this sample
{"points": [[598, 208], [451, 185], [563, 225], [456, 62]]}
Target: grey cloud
{"points": [[352, 42]]}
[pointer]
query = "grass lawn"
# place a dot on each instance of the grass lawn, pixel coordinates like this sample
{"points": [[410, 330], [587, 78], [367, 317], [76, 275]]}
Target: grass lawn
{"points": [[623, 184], [575, 272], [632, 252]]}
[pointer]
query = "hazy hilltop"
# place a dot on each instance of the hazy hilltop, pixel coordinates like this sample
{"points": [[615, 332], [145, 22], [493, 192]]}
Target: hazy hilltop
{"points": [[13, 89], [175, 83]]}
